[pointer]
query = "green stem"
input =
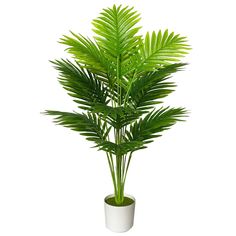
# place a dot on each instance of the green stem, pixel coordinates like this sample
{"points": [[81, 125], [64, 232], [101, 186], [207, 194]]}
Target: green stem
{"points": [[111, 166], [128, 90], [119, 197], [126, 170]]}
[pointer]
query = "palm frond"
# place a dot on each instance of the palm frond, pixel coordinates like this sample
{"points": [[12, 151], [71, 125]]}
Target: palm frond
{"points": [[154, 123], [161, 49], [81, 84], [87, 53], [148, 89], [116, 31], [89, 125]]}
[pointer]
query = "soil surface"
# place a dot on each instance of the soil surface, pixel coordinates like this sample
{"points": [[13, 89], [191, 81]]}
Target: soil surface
{"points": [[127, 201]]}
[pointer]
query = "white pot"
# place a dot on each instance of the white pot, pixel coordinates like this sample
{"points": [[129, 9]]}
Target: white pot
{"points": [[119, 218]]}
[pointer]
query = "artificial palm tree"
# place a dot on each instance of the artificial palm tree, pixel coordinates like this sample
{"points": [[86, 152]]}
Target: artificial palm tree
{"points": [[118, 78]]}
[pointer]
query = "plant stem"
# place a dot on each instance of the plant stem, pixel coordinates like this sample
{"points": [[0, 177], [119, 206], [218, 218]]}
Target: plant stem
{"points": [[119, 196], [111, 166], [129, 88], [127, 167]]}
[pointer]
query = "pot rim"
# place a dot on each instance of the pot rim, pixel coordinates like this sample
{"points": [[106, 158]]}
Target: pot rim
{"points": [[126, 195]]}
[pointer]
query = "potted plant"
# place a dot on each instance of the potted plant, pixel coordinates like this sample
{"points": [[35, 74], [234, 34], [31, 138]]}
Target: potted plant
{"points": [[118, 78]]}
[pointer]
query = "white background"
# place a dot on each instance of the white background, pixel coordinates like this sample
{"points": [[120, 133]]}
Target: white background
{"points": [[52, 183]]}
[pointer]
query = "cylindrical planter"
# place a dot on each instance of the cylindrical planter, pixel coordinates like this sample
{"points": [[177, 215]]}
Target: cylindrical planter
{"points": [[119, 218]]}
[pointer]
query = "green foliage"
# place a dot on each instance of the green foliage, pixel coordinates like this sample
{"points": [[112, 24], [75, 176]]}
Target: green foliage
{"points": [[118, 117], [86, 52], [147, 90], [156, 121], [120, 149], [119, 77], [89, 125], [116, 32], [161, 49], [81, 84]]}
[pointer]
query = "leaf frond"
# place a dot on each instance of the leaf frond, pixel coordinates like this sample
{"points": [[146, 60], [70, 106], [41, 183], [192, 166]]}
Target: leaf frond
{"points": [[147, 90], [85, 87], [89, 125], [160, 49], [154, 123], [116, 30], [87, 53]]}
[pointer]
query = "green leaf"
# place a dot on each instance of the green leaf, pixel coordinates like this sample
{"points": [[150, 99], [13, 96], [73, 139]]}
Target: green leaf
{"points": [[154, 123], [87, 53], [82, 85], [149, 88], [89, 125], [116, 31], [161, 49]]}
